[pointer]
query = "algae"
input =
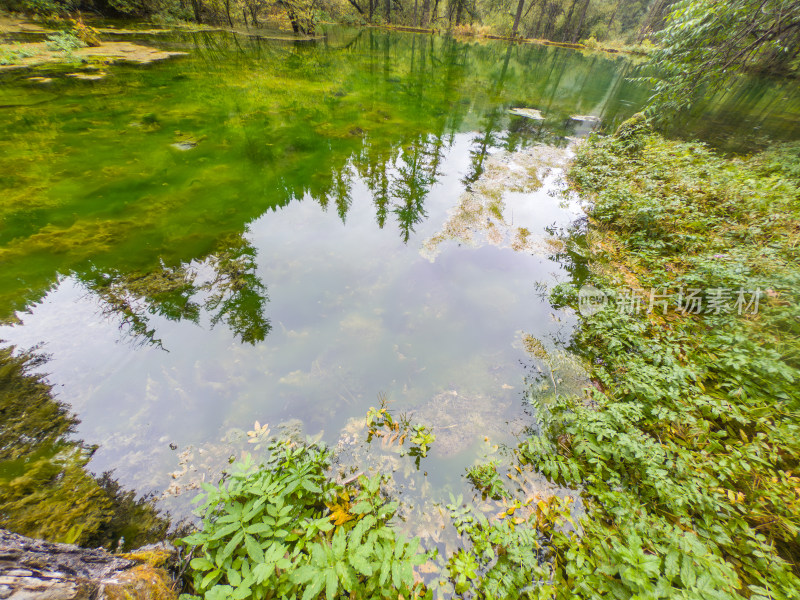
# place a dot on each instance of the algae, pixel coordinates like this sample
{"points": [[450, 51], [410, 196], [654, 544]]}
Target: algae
{"points": [[38, 53]]}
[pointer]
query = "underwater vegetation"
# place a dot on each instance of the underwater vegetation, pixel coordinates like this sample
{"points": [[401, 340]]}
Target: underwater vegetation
{"points": [[46, 489]]}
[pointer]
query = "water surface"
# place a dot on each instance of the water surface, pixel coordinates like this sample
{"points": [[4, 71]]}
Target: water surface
{"points": [[278, 232]]}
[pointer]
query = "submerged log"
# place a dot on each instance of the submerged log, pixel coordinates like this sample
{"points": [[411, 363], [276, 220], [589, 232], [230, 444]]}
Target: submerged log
{"points": [[32, 568]]}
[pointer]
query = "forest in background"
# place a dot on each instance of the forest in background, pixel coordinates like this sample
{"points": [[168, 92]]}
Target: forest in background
{"points": [[722, 38], [624, 21]]}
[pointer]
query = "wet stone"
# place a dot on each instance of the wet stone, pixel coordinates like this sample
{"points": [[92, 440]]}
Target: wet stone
{"points": [[530, 113]]}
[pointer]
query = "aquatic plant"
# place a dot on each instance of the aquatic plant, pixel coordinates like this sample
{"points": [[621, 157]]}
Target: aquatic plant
{"points": [[285, 529], [9, 56], [485, 478], [381, 423]]}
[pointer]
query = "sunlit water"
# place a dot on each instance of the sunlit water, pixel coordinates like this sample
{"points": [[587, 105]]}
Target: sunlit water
{"points": [[277, 232]]}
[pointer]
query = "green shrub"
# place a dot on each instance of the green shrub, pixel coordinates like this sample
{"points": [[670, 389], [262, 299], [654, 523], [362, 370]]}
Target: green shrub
{"points": [[591, 43], [284, 529], [12, 55], [506, 558], [64, 42]]}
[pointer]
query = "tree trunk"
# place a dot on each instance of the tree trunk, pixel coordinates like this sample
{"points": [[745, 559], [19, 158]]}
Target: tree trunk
{"points": [[514, 29], [568, 20], [415, 13], [550, 25], [196, 8], [228, 12], [536, 30], [426, 12], [37, 569], [357, 6], [388, 11], [577, 33], [614, 15]]}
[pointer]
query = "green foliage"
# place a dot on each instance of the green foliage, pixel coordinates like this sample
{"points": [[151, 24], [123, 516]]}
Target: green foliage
{"points": [[65, 42], [707, 43], [9, 56], [89, 36], [422, 439], [284, 529], [485, 478], [505, 558], [591, 43], [563, 294], [43, 8], [687, 448], [381, 423]]}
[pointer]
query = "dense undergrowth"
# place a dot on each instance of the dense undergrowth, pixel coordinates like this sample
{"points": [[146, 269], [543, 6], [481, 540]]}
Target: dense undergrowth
{"points": [[688, 450]]}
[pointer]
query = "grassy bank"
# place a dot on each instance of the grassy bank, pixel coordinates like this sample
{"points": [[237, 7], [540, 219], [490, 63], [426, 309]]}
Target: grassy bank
{"points": [[688, 449]]}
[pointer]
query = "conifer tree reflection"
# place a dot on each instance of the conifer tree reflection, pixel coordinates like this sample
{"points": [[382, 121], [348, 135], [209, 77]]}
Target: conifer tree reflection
{"points": [[224, 285]]}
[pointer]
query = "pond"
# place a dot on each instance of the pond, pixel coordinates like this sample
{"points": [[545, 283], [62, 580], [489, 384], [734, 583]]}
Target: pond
{"points": [[281, 232]]}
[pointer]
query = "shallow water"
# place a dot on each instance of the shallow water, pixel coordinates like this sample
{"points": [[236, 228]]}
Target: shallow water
{"points": [[270, 231]]}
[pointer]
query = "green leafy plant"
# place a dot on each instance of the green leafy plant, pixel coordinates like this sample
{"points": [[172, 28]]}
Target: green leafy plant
{"points": [[507, 557], [283, 529], [64, 42], [485, 478], [687, 448], [422, 439], [12, 55], [706, 44], [381, 423]]}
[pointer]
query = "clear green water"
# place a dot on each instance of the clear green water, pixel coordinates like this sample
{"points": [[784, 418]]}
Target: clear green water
{"points": [[264, 230]]}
